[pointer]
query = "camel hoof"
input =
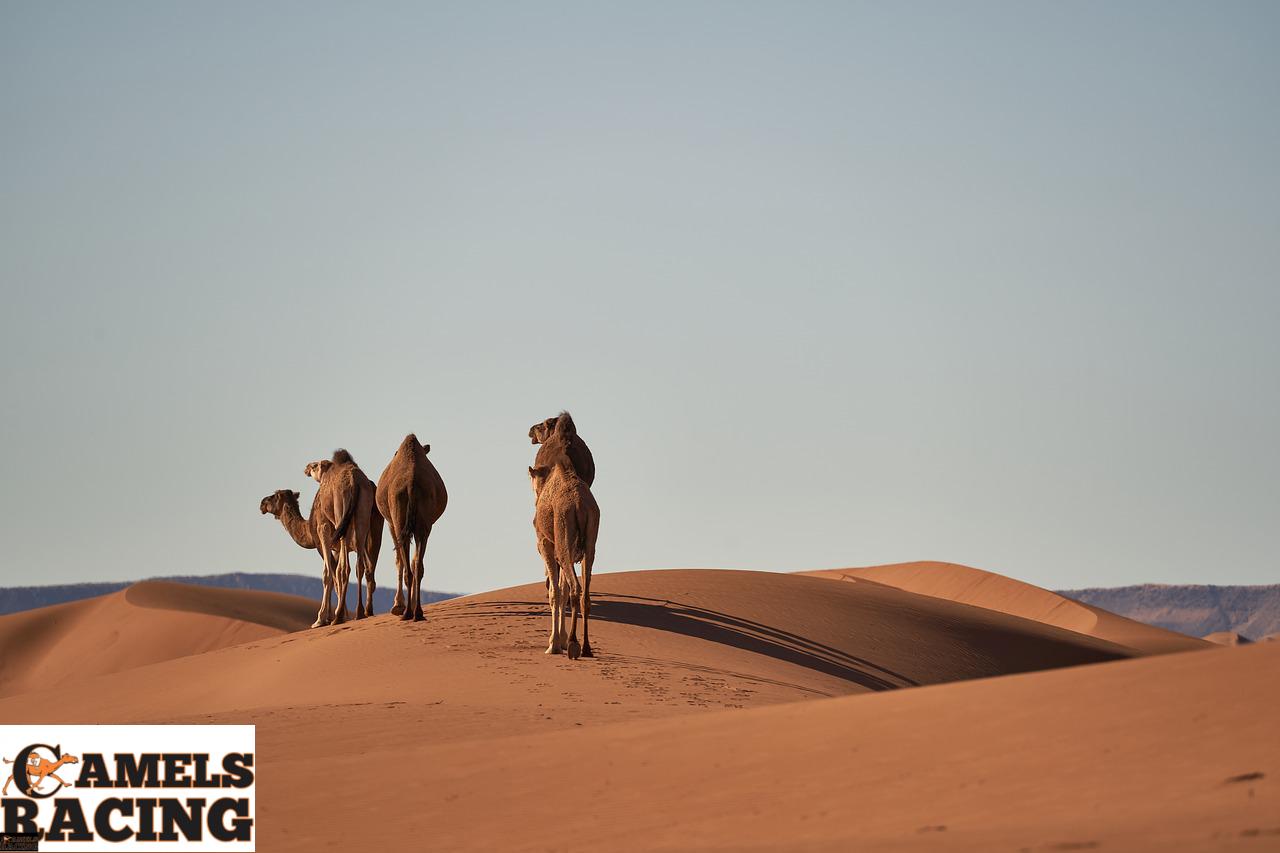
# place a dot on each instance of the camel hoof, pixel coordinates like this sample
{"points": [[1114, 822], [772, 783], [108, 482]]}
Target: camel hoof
{"points": [[586, 652], [397, 609], [575, 651], [319, 623], [551, 650], [418, 617]]}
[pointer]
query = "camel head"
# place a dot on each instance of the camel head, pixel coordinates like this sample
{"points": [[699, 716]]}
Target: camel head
{"points": [[70, 759], [276, 502], [562, 425], [316, 470], [540, 432]]}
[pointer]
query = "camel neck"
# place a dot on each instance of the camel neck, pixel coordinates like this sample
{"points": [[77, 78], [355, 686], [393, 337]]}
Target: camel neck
{"points": [[299, 528]]}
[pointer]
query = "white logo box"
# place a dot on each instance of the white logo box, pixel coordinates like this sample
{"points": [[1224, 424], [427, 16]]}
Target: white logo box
{"points": [[138, 779]]}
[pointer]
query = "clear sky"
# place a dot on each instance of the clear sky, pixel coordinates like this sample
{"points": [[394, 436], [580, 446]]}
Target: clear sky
{"points": [[823, 284]]}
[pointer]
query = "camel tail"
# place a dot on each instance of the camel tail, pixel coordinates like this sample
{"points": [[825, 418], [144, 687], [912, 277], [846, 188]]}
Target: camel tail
{"points": [[341, 528], [407, 530]]}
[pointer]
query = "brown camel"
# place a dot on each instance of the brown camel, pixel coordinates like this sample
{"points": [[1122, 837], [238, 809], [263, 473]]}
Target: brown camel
{"points": [[579, 454], [283, 504], [338, 496], [567, 520], [412, 497], [368, 536], [337, 505]]}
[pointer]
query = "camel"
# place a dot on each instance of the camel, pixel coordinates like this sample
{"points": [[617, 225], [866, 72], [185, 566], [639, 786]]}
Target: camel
{"points": [[567, 521], [283, 504], [336, 506], [38, 769], [368, 547], [412, 497], [321, 533], [579, 454]]}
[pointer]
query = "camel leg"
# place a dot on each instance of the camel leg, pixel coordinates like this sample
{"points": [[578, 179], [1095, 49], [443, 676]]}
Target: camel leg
{"points": [[419, 571], [341, 581], [374, 547], [325, 614], [571, 588], [554, 644], [397, 605], [562, 608], [366, 560], [359, 571], [587, 560], [403, 545], [411, 581]]}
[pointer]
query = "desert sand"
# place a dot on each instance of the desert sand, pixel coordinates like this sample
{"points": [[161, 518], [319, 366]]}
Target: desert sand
{"points": [[968, 585], [725, 709], [148, 622]]}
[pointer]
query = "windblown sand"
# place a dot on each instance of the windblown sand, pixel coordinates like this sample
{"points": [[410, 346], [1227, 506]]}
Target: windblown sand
{"points": [[729, 710]]}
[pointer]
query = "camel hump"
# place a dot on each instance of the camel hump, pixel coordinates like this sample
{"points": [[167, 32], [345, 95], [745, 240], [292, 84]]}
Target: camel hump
{"points": [[342, 457], [565, 425]]}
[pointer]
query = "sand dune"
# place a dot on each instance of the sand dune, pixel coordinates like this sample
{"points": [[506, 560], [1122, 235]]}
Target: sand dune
{"points": [[696, 638], [727, 709], [1174, 752], [979, 588], [148, 622]]}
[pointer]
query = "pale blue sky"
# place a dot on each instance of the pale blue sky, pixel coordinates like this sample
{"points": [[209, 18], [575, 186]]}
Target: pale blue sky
{"points": [[824, 284]]}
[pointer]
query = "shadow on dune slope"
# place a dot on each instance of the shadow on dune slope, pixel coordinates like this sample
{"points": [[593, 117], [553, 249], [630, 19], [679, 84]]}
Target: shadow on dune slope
{"points": [[869, 636], [716, 627]]}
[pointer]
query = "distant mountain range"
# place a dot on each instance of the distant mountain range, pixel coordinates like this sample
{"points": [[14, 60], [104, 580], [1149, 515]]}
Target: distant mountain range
{"points": [[1251, 611], [16, 598]]}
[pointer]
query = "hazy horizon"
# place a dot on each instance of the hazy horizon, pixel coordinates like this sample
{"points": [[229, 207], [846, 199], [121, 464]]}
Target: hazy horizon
{"points": [[823, 285]]}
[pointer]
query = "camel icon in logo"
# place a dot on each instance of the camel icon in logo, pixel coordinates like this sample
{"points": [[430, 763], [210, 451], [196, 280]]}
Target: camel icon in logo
{"points": [[31, 770]]}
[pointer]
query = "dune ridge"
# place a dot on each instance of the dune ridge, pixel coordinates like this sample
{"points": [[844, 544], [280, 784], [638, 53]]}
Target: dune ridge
{"points": [[145, 623], [979, 588], [802, 637]]}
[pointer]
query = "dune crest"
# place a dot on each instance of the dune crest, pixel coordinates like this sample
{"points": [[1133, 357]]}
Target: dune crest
{"points": [[979, 588], [146, 623]]}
